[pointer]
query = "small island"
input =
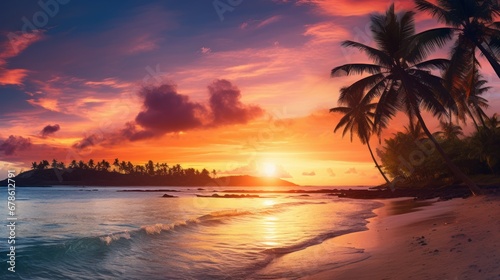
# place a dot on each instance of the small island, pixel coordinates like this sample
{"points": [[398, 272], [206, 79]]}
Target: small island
{"points": [[127, 174], [230, 196]]}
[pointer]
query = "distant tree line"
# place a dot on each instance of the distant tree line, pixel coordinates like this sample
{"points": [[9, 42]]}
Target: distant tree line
{"points": [[126, 167]]}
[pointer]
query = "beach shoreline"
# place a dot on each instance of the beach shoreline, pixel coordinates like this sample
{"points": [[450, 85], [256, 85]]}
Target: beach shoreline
{"points": [[454, 239]]}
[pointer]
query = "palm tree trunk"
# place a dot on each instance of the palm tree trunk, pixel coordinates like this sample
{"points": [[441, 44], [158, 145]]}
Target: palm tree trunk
{"points": [[475, 190], [491, 59], [376, 163]]}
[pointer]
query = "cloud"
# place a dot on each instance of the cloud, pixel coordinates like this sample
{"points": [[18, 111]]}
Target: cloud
{"points": [[255, 169], [347, 8], [12, 76], [257, 24], [166, 111], [50, 104], [12, 144], [249, 169], [227, 107], [312, 173], [326, 32], [330, 172], [131, 132], [17, 43], [268, 21], [142, 43], [205, 50], [88, 141], [351, 171], [281, 172], [49, 129]]}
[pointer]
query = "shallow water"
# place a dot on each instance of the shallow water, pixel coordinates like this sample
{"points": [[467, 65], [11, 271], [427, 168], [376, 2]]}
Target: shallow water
{"points": [[100, 233]]}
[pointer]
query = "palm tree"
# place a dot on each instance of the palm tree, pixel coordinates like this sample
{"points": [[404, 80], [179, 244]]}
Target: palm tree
{"points": [[400, 78], [450, 131], [475, 102], [116, 164], [91, 164], [357, 120], [474, 22], [492, 122], [414, 130], [105, 166], [485, 144]]}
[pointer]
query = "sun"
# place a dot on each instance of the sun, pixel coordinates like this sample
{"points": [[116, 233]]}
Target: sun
{"points": [[269, 169]]}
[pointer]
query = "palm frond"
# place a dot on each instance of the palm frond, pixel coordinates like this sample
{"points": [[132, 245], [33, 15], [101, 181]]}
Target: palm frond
{"points": [[358, 88], [377, 56], [356, 69], [436, 11], [343, 110], [426, 42], [438, 64], [387, 108]]}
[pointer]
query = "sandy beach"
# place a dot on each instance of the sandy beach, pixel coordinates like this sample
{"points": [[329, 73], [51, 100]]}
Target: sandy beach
{"points": [[456, 239]]}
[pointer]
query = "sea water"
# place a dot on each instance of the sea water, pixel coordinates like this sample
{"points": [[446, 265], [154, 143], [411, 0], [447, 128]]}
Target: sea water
{"points": [[74, 232]]}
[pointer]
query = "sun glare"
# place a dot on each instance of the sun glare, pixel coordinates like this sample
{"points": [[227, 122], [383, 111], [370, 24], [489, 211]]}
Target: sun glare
{"points": [[269, 169], [269, 202]]}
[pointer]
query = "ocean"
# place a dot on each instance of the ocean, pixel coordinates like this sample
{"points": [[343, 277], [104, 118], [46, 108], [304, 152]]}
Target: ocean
{"points": [[74, 232]]}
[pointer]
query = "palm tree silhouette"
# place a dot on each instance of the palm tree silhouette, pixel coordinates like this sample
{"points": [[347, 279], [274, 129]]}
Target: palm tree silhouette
{"points": [[450, 131], [400, 78], [493, 122], [357, 120], [414, 130], [475, 102], [474, 22]]}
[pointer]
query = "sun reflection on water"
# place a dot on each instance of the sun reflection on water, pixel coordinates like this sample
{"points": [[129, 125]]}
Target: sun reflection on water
{"points": [[270, 235], [268, 202]]}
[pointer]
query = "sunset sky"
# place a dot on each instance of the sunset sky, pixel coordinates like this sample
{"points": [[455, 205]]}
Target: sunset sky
{"points": [[241, 91]]}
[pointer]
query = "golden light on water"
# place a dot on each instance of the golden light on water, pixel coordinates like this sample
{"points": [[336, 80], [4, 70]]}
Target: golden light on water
{"points": [[268, 202], [270, 235]]}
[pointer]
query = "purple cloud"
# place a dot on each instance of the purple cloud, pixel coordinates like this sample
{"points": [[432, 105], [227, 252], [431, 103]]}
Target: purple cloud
{"points": [[88, 141], [167, 111], [12, 144], [131, 133], [50, 129], [226, 106]]}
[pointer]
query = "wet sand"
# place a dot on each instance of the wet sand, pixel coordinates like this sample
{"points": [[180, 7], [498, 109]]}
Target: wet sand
{"points": [[456, 239]]}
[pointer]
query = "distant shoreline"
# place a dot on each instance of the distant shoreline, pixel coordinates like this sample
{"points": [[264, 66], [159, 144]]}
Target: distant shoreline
{"points": [[93, 178]]}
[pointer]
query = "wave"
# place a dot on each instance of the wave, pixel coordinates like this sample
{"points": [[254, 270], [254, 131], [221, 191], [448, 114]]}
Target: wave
{"points": [[84, 244], [65, 255], [95, 245], [113, 237], [307, 243], [219, 217]]}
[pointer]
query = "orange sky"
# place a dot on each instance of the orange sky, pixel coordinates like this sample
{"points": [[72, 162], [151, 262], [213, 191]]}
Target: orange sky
{"points": [[271, 58]]}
